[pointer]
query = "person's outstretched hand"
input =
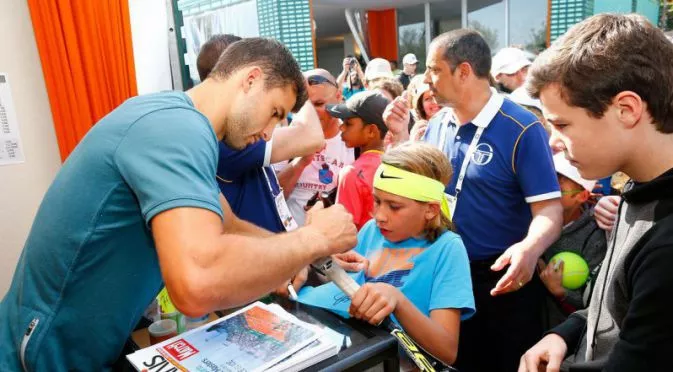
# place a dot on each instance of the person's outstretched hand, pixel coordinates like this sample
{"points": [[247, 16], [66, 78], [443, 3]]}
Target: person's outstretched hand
{"points": [[546, 355], [522, 263]]}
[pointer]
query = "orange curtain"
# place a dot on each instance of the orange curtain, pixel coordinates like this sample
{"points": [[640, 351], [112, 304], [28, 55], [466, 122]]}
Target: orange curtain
{"points": [[87, 61], [382, 29]]}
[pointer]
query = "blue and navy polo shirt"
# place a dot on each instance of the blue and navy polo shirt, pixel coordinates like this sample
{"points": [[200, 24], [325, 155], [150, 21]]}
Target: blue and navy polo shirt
{"points": [[511, 168], [242, 180]]}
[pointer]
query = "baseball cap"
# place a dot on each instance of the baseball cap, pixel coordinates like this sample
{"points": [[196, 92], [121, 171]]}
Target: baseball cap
{"points": [[378, 67], [409, 59], [508, 61], [367, 105], [564, 168]]}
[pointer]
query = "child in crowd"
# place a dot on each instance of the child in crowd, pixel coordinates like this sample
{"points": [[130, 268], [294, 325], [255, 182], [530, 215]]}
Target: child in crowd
{"points": [[363, 128], [418, 268], [423, 105], [580, 235], [388, 86]]}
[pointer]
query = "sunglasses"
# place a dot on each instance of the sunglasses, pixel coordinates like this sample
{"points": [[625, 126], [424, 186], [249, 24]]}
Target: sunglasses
{"points": [[317, 79], [571, 192]]}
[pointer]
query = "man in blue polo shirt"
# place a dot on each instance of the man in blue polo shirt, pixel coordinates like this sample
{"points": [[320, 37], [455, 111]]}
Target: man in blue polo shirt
{"points": [[504, 198], [249, 183]]}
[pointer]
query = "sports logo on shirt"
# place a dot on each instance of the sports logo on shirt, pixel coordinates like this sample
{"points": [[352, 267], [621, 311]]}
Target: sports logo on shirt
{"points": [[325, 175], [391, 266], [482, 154]]}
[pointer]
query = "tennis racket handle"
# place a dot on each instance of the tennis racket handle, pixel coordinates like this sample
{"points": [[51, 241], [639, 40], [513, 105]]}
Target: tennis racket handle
{"points": [[338, 275], [389, 324]]}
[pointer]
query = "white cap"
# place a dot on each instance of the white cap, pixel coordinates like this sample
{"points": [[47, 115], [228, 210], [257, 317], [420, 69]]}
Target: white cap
{"points": [[509, 61], [409, 59], [564, 167], [520, 95], [378, 67]]}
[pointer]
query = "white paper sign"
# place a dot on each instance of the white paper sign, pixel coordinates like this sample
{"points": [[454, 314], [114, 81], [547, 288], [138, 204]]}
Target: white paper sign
{"points": [[11, 149]]}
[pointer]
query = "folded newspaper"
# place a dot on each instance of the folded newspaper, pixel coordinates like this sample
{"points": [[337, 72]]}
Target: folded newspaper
{"points": [[258, 337]]}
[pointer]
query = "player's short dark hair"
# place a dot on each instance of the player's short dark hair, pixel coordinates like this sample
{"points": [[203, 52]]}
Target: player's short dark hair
{"points": [[465, 46], [275, 60]]}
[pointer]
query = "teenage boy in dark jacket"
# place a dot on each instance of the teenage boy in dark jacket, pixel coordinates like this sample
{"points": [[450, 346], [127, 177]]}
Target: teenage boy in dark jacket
{"points": [[606, 87]]}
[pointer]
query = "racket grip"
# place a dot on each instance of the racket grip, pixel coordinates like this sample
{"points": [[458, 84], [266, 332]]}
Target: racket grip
{"points": [[338, 275], [389, 324]]}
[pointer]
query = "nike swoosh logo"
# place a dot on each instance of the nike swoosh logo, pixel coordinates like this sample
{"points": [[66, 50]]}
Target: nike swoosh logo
{"points": [[384, 176]]}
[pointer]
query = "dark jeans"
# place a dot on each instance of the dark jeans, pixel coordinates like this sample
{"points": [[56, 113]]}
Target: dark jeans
{"points": [[504, 326]]}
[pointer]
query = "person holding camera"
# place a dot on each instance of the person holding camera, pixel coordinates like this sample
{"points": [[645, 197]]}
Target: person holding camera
{"points": [[351, 78]]}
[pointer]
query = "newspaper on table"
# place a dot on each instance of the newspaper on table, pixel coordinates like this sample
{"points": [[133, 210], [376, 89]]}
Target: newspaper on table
{"points": [[324, 347], [258, 337]]}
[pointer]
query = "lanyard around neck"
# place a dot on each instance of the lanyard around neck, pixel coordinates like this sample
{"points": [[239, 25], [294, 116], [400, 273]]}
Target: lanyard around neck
{"points": [[443, 137], [268, 181]]}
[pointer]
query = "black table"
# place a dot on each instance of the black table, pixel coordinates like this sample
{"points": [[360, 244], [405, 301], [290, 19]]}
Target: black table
{"points": [[370, 346]]}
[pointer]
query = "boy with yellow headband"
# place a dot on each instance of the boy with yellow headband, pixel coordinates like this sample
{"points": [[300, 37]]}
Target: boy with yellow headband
{"points": [[418, 268]]}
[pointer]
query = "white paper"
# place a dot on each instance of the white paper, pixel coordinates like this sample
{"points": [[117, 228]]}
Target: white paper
{"points": [[249, 340], [11, 149]]}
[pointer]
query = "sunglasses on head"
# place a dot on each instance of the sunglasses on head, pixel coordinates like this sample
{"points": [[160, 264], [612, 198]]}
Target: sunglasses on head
{"points": [[317, 79]]}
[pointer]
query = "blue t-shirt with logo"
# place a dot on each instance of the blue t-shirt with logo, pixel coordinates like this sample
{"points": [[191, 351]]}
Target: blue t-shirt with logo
{"points": [[511, 168], [431, 275], [250, 185], [89, 267]]}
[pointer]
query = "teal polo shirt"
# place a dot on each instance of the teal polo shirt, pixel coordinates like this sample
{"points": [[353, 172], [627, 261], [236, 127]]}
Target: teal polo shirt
{"points": [[89, 267]]}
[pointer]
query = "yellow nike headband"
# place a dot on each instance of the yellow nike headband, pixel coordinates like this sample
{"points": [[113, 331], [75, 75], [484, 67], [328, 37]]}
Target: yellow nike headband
{"points": [[411, 185]]}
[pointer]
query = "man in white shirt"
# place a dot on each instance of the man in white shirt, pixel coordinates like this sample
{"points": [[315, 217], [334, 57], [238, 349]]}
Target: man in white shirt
{"points": [[305, 176]]}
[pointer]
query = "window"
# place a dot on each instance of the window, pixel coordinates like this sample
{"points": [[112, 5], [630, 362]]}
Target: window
{"points": [[444, 16], [528, 24], [488, 18], [411, 34]]}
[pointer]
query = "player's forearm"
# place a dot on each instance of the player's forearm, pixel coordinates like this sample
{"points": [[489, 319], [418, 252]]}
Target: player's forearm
{"points": [[246, 228], [234, 270], [430, 335]]}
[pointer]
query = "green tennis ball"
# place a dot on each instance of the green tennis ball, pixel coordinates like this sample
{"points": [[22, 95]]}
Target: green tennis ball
{"points": [[575, 269]]}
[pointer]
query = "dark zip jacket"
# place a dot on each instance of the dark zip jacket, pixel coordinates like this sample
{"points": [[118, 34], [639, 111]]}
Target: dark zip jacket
{"points": [[628, 325]]}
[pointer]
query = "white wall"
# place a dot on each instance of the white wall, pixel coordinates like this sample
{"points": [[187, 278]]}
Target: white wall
{"points": [[149, 31], [22, 186]]}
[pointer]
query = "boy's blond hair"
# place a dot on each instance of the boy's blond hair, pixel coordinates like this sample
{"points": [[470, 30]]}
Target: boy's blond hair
{"points": [[423, 159]]}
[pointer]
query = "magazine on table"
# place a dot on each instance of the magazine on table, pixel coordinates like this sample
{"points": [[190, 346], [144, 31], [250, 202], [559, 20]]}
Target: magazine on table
{"points": [[258, 337]]}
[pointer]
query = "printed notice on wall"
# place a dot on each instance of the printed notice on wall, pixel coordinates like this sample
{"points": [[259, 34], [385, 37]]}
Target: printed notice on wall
{"points": [[11, 150]]}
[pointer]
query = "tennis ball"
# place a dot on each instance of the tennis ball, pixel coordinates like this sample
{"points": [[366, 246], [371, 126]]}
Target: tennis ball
{"points": [[575, 269]]}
